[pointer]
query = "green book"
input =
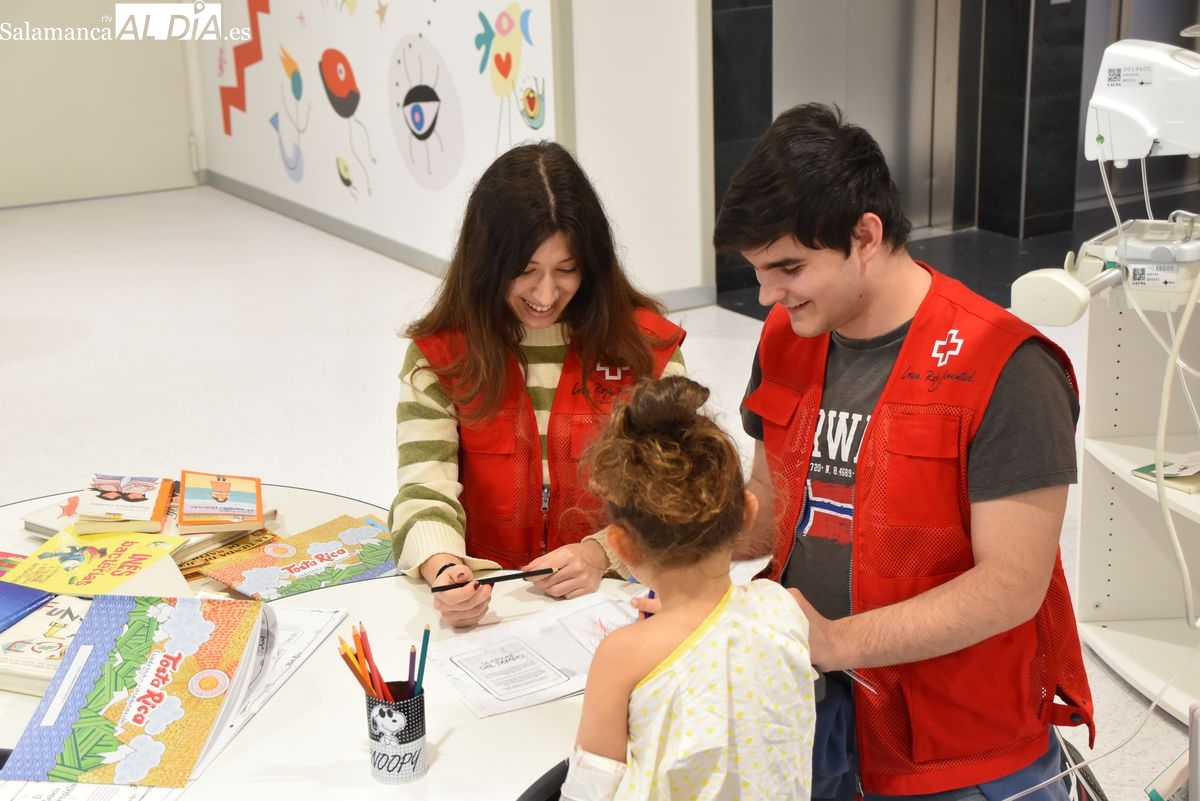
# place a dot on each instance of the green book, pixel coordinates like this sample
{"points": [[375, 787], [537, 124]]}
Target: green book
{"points": [[1189, 482]]}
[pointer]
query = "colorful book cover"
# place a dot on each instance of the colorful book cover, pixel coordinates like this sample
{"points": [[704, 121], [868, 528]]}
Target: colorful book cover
{"points": [[90, 564], [339, 551], [190, 568], [16, 601], [111, 497], [142, 687], [216, 502], [32, 649]]}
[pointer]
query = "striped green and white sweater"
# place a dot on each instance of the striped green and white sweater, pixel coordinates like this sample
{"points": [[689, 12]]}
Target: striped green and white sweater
{"points": [[427, 517]]}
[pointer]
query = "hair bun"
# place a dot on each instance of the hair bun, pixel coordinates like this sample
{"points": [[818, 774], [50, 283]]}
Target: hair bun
{"points": [[665, 406]]}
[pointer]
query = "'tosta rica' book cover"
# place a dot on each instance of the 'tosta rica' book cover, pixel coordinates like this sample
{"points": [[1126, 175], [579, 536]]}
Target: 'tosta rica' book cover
{"points": [[339, 551], [140, 692]]}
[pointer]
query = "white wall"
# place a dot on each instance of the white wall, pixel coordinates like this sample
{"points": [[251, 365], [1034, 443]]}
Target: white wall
{"points": [[644, 133], [635, 105], [402, 189], [87, 118]]}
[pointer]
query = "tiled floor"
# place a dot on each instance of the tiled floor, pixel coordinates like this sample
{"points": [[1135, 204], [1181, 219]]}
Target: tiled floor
{"points": [[192, 329]]}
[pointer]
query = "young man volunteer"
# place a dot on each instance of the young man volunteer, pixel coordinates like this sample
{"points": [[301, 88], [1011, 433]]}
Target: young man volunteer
{"points": [[914, 446]]}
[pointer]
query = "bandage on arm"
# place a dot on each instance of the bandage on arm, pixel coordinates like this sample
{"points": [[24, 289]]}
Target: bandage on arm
{"points": [[591, 777]]}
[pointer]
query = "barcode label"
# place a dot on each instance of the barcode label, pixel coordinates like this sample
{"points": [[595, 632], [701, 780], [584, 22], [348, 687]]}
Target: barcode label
{"points": [[1150, 274]]}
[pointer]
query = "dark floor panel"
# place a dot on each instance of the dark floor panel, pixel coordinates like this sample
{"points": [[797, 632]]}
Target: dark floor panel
{"points": [[988, 262]]}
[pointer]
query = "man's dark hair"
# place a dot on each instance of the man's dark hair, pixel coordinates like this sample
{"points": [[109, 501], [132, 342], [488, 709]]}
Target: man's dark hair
{"points": [[812, 175]]}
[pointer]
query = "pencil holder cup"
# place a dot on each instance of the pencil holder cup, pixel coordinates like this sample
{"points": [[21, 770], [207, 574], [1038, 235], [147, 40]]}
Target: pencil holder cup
{"points": [[397, 732]]}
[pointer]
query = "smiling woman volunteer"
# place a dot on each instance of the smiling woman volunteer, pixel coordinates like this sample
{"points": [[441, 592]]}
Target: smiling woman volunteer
{"points": [[535, 331]]}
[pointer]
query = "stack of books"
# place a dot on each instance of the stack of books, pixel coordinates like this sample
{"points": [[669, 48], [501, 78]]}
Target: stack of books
{"points": [[124, 503], [225, 514], [211, 502]]}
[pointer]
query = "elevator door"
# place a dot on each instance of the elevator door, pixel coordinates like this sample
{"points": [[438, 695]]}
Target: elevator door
{"points": [[880, 62]]}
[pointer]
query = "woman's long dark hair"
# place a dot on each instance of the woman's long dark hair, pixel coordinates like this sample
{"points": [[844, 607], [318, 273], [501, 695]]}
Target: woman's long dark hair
{"points": [[528, 194]]}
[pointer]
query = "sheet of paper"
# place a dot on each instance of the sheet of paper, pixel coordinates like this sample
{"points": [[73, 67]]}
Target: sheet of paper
{"points": [[295, 634], [533, 659], [64, 791], [1186, 465]]}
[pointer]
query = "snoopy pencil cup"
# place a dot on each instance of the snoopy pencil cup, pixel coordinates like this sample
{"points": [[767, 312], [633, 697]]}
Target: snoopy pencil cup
{"points": [[397, 732]]}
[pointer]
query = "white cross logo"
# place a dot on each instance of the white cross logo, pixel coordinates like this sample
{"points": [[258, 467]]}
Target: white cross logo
{"points": [[611, 373], [939, 348]]}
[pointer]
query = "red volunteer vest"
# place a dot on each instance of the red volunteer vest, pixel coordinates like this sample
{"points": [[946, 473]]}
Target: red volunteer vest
{"points": [[509, 518], [973, 715]]}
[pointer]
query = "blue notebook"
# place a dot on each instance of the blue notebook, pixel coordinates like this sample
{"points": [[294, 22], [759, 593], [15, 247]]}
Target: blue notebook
{"points": [[16, 600]]}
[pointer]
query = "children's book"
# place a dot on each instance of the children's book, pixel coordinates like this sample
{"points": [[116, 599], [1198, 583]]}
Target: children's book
{"points": [[99, 563], [1182, 473], [16, 601], [215, 502], [141, 691], [190, 568], [32, 648], [130, 503], [52, 518], [339, 551]]}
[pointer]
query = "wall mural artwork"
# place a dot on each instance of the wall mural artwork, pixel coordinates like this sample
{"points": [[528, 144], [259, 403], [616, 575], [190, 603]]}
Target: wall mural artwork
{"points": [[341, 88], [456, 82], [245, 55], [426, 113], [293, 162], [500, 43]]}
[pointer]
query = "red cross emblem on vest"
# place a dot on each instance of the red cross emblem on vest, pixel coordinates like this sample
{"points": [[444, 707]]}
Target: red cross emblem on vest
{"points": [[611, 373], [943, 349]]}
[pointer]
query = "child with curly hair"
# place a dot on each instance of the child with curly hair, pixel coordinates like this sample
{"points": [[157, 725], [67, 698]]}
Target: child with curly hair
{"points": [[712, 696]]}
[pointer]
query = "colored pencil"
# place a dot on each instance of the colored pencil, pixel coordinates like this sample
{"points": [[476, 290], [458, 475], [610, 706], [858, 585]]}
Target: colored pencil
{"points": [[648, 615], [544, 571], [358, 647], [381, 688], [351, 653], [349, 660], [412, 671], [421, 662]]}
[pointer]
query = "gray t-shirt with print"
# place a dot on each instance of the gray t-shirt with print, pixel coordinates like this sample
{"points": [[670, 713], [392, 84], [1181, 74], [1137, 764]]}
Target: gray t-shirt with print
{"points": [[1026, 441]]}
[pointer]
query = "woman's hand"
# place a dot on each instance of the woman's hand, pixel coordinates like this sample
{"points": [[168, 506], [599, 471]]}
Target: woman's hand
{"points": [[578, 569], [461, 607]]}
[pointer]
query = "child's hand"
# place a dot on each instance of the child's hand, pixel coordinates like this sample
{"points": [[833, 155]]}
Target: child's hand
{"points": [[646, 605]]}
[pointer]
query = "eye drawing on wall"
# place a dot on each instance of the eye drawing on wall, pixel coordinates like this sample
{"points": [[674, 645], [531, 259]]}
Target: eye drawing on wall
{"points": [[292, 164], [342, 90], [501, 44], [426, 114], [420, 109]]}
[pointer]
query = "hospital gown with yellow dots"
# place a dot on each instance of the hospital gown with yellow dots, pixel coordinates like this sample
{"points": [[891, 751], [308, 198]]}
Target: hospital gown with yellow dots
{"points": [[730, 713]]}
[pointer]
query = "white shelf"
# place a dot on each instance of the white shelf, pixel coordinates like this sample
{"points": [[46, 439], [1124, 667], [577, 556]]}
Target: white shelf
{"points": [[1146, 653], [1129, 594], [1122, 454]]}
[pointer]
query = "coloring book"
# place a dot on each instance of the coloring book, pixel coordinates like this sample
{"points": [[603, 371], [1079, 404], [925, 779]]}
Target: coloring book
{"points": [[339, 551], [142, 688]]}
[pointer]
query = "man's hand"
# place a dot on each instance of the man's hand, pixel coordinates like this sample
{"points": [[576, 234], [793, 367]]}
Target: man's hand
{"points": [[820, 645]]}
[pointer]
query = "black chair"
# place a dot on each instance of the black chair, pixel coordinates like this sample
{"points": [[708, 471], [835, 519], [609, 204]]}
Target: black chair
{"points": [[546, 786]]}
